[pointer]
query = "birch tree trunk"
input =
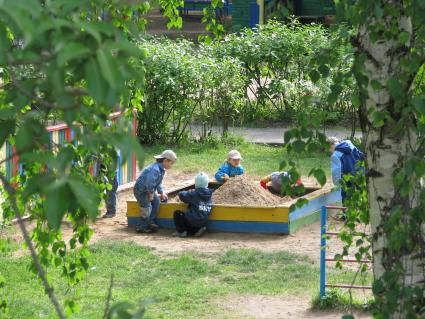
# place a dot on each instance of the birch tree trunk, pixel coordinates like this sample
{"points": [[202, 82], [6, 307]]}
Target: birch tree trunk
{"points": [[388, 148]]}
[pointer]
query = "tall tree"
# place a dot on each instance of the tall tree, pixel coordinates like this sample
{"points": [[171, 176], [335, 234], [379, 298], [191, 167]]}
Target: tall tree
{"points": [[388, 39], [389, 52]]}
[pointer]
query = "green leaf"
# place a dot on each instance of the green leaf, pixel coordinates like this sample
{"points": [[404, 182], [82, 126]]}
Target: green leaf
{"points": [[56, 203], [376, 85], [419, 104], [87, 195], [90, 29], [314, 75], [7, 128], [299, 146], [96, 85], [127, 47], [403, 37], [320, 175], [379, 118], [287, 136], [72, 51], [4, 44], [22, 20], [379, 12], [36, 183], [395, 88], [108, 67], [355, 100], [324, 70]]}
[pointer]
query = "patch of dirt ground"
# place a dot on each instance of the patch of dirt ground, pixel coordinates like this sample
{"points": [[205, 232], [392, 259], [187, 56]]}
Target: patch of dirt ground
{"points": [[305, 241], [276, 307]]}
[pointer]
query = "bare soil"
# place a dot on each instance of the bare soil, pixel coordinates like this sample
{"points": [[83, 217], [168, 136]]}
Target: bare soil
{"points": [[276, 307], [306, 241]]}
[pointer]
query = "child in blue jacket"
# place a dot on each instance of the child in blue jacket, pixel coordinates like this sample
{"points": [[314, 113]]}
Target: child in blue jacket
{"points": [[194, 221], [148, 184], [230, 168], [344, 160]]}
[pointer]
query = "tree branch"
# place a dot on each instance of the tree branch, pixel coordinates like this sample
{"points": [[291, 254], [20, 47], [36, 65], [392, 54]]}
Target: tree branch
{"points": [[108, 298], [49, 289]]}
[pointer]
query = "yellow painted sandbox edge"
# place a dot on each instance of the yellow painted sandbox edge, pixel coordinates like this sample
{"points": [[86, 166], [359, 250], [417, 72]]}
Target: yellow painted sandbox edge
{"points": [[222, 212]]}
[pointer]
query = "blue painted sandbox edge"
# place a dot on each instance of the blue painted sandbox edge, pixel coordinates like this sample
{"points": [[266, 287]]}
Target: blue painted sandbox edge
{"points": [[229, 226], [315, 205]]}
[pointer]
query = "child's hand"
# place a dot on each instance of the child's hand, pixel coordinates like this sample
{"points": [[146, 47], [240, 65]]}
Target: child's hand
{"points": [[150, 197], [163, 197], [226, 177]]}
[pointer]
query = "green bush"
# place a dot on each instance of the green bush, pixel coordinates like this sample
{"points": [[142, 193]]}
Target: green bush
{"points": [[184, 83], [264, 73]]}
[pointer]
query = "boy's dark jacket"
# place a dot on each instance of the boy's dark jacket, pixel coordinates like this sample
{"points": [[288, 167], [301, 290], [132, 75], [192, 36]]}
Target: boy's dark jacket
{"points": [[200, 205]]}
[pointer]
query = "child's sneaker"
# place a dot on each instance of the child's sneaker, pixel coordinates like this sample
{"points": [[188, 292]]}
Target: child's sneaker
{"points": [[108, 215], [178, 234], [200, 232], [141, 230], [153, 227]]}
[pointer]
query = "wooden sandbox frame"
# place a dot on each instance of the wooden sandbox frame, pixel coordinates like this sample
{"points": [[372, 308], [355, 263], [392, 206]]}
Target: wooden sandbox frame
{"points": [[249, 219]]}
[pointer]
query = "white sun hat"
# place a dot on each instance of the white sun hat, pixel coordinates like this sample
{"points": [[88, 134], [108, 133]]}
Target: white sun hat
{"points": [[167, 154], [234, 154], [333, 140]]}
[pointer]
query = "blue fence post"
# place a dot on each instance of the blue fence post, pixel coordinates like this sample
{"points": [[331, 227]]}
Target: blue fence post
{"points": [[119, 171], [323, 219]]}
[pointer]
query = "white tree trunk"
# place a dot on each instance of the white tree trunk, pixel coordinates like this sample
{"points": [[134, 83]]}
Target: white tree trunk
{"points": [[386, 151]]}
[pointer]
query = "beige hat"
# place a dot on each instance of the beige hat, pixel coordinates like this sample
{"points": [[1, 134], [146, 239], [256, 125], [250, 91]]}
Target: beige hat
{"points": [[167, 154], [234, 154], [333, 140]]}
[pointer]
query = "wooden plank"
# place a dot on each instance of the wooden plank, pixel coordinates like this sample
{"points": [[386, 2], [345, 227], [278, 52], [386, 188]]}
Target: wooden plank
{"points": [[227, 226], [222, 212], [348, 286]]}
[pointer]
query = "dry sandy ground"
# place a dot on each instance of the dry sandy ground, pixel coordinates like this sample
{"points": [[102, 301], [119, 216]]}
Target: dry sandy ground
{"points": [[305, 242], [277, 307]]}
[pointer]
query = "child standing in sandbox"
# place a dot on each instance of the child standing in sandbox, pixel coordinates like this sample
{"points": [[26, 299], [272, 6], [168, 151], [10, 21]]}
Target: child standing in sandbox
{"points": [[147, 185], [194, 221], [230, 168]]}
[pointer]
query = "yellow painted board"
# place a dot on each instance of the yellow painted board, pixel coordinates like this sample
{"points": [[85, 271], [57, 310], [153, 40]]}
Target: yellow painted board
{"points": [[3, 156], [124, 173], [222, 212]]}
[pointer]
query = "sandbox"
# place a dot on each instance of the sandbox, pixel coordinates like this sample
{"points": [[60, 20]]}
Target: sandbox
{"points": [[252, 219]]}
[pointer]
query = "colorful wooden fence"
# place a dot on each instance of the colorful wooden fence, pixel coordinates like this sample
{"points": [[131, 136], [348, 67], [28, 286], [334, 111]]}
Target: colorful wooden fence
{"points": [[59, 135]]}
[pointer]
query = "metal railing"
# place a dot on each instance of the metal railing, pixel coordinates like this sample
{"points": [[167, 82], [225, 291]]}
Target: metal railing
{"points": [[323, 238]]}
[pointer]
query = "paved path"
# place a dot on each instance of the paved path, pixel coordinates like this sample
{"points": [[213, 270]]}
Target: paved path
{"points": [[270, 135]]}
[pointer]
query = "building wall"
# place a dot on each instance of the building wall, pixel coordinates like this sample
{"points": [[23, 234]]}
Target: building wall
{"points": [[314, 8]]}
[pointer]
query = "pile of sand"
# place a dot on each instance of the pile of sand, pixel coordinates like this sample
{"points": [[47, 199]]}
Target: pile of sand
{"points": [[242, 190]]}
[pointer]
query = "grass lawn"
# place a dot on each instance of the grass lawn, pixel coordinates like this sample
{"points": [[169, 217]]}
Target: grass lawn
{"points": [[258, 160], [184, 285]]}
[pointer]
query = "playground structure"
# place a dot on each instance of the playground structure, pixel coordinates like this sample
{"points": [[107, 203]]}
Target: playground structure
{"points": [[59, 135], [323, 259], [235, 218], [250, 13]]}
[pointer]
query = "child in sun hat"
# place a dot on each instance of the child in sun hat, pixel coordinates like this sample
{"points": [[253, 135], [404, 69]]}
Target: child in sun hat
{"points": [[231, 167], [194, 220], [147, 186]]}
